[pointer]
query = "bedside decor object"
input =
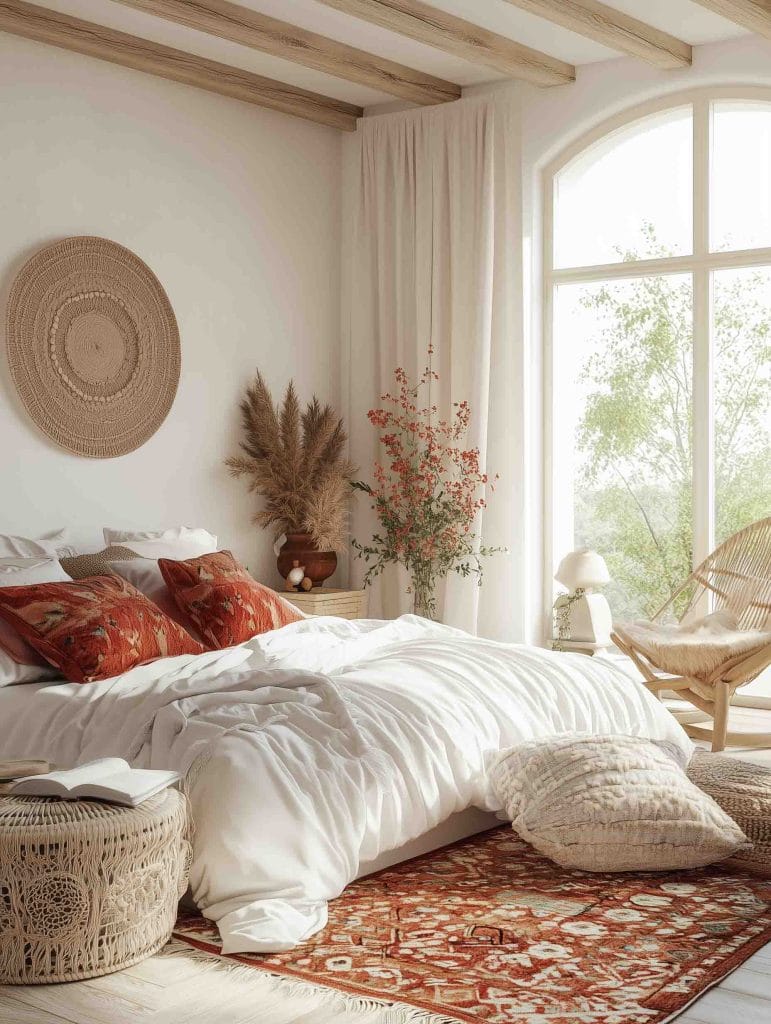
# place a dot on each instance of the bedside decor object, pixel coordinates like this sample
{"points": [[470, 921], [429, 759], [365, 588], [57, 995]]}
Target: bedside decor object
{"points": [[743, 790], [428, 493], [582, 616], [707, 658], [295, 576], [88, 888], [301, 547], [345, 604], [296, 461], [93, 346]]}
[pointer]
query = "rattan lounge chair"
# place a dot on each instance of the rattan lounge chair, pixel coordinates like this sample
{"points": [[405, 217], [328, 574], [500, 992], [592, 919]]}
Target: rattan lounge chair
{"points": [[736, 578]]}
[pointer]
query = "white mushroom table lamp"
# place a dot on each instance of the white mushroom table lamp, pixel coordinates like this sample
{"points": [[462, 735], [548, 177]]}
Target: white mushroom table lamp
{"points": [[582, 616]]}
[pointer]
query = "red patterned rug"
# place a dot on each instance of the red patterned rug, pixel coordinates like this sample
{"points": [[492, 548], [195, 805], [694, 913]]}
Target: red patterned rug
{"points": [[487, 930]]}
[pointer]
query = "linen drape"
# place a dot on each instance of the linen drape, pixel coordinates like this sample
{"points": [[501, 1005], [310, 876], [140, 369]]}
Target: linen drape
{"points": [[436, 259]]}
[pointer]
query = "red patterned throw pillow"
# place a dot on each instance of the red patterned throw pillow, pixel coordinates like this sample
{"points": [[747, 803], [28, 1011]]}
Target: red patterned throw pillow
{"points": [[225, 603], [93, 628]]}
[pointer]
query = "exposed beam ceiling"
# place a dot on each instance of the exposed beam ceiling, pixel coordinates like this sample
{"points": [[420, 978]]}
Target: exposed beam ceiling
{"points": [[280, 39], [461, 38], [615, 29], [46, 26], [752, 14]]}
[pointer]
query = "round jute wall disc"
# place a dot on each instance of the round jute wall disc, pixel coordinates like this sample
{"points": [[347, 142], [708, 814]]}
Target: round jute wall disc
{"points": [[93, 346]]}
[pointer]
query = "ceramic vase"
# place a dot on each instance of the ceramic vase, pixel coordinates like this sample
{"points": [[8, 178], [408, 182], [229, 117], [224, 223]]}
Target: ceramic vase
{"points": [[299, 547]]}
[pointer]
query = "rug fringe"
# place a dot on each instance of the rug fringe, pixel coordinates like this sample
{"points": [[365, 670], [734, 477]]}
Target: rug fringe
{"points": [[318, 997]]}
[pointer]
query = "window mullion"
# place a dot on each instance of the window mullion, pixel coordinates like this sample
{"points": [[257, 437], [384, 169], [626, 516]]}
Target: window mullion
{"points": [[702, 440]]}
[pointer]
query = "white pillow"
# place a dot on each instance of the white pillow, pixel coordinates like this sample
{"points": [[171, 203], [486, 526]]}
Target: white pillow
{"points": [[19, 662], [12, 673], [611, 803], [179, 542], [54, 543]]}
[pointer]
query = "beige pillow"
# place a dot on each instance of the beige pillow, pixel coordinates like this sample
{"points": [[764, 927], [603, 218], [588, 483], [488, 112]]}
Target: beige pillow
{"points": [[80, 567], [611, 803]]}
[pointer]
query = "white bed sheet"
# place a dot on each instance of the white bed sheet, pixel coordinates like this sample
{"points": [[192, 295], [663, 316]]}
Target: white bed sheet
{"points": [[319, 747]]}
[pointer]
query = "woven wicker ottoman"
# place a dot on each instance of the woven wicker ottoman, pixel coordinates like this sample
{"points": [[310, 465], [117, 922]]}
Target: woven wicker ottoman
{"points": [[743, 790], [87, 888]]}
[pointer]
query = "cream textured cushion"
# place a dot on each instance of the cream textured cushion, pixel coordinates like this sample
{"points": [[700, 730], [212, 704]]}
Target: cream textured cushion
{"points": [[611, 803]]}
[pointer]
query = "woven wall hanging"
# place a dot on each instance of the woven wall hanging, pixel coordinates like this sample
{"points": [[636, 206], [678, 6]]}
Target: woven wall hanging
{"points": [[93, 346]]}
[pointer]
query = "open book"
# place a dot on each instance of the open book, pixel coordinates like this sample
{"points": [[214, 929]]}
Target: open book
{"points": [[109, 778]]}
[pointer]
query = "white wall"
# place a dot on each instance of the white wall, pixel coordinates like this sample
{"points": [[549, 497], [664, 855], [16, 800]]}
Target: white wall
{"points": [[236, 210]]}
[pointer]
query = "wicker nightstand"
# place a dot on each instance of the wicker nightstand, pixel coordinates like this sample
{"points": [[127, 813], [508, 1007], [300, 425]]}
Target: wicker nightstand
{"points": [[345, 604], [87, 888]]}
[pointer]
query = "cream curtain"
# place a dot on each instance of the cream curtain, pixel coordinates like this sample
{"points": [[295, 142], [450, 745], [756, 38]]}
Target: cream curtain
{"points": [[437, 258]]}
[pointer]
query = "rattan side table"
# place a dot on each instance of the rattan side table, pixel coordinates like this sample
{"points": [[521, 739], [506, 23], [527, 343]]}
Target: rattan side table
{"points": [[743, 790], [87, 888], [345, 604]]}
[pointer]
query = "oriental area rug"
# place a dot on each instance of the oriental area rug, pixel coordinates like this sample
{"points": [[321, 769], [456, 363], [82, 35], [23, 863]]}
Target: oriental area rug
{"points": [[487, 930]]}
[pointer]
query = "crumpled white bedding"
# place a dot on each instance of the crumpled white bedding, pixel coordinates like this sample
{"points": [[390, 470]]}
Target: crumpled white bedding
{"points": [[324, 744]]}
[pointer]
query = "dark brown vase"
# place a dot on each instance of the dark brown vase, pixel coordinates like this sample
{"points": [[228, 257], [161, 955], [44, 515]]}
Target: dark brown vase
{"points": [[298, 547]]}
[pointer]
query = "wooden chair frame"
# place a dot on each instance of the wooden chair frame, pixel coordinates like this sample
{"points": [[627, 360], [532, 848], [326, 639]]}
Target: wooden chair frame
{"points": [[736, 577]]}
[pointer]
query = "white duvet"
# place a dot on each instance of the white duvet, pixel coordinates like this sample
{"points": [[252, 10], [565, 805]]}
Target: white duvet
{"points": [[322, 745]]}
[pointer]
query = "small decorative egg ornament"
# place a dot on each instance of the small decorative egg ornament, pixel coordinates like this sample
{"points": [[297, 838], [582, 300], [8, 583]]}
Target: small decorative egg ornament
{"points": [[296, 574]]}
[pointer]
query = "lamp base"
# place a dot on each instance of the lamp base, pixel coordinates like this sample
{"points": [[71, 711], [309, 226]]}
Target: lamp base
{"points": [[591, 621]]}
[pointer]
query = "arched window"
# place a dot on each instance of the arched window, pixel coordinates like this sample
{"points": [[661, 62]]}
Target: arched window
{"points": [[658, 322]]}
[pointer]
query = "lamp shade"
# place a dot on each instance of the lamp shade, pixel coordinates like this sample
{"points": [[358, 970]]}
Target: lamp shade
{"points": [[582, 569]]}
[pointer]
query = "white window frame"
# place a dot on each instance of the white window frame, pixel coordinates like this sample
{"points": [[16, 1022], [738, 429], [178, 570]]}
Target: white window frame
{"points": [[699, 265]]}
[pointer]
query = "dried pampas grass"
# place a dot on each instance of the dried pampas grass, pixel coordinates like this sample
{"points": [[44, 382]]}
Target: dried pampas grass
{"points": [[296, 461]]}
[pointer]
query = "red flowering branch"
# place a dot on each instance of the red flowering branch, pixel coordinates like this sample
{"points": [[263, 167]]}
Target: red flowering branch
{"points": [[428, 491]]}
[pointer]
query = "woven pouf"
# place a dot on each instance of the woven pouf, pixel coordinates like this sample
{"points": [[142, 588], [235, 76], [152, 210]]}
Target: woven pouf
{"points": [[743, 790], [87, 888]]}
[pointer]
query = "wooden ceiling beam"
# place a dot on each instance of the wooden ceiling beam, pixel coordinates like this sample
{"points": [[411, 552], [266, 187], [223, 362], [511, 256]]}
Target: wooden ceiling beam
{"points": [[754, 15], [612, 28], [62, 30], [443, 31], [242, 25]]}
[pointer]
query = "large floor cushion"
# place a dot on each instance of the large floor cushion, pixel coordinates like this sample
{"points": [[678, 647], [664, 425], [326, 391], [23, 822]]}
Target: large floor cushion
{"points": [[87, 888], [611, 803], [743, 790]]}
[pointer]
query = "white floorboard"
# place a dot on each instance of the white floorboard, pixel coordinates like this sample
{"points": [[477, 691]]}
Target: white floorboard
{"points": [[180, 990]]}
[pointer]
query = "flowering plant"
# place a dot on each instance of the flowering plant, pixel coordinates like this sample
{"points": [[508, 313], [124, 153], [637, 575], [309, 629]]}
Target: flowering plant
{"points": [[426, 495]]}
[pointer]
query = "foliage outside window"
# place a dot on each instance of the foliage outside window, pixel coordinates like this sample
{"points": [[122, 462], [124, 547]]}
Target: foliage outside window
{"points": [[639, 457]]}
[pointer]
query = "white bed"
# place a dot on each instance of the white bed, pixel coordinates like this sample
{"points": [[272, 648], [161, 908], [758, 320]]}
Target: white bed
{"points": [[315, 750]]}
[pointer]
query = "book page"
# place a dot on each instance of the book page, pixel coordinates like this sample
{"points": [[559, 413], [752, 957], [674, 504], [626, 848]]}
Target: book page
{"points": [[93, 772], [131, 782]]}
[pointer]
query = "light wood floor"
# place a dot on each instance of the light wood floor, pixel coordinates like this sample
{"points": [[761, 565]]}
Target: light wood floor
{"points": [[180, 990]]}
